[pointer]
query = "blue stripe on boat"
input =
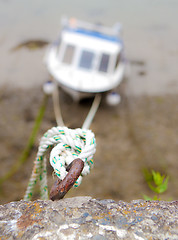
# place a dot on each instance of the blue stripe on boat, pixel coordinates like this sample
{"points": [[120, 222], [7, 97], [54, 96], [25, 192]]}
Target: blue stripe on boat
{"points": [[96, 34]]}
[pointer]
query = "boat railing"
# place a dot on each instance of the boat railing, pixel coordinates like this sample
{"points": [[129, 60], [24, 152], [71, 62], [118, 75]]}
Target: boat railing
{"points": [[74, 23]]}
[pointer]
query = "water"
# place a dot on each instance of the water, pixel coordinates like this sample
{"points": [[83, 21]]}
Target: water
{"points": [[149, 29]]}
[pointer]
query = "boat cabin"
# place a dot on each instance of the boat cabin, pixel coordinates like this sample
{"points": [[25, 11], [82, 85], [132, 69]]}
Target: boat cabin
{"points": [[89, 51]]}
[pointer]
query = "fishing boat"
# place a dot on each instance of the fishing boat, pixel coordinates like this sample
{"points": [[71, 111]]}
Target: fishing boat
{"points": [[87, 58]]}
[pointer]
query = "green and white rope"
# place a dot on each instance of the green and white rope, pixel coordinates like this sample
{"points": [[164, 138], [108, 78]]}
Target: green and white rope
{"points": [[68, 144]]}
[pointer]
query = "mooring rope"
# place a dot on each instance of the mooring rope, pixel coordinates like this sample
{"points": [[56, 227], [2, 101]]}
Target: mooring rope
{"points": [[57, 108], [92, 111], [68, 144]]}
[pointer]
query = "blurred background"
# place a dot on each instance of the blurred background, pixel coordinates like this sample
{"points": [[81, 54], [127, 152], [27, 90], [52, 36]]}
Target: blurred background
{"points": [[140, 133]]}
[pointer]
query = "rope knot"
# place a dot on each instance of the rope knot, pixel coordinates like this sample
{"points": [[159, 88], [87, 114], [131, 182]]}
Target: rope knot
{"points": [[68, 144], [71, 144]]}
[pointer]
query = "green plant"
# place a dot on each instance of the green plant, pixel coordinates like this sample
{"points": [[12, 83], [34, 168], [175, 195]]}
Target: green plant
{"points": [[30, 142], [157, 183]]}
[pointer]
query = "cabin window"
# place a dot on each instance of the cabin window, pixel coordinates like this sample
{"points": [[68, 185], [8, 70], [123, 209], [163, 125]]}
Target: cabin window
{"points": [[86, 59], [68, 54], [103, 66]]}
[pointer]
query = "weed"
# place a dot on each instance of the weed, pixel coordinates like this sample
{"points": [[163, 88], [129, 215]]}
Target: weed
{"points": [[157, 183]]}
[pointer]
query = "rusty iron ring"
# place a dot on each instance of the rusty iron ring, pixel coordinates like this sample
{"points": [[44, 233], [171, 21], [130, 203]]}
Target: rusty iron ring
{"points": [[60, 188]]}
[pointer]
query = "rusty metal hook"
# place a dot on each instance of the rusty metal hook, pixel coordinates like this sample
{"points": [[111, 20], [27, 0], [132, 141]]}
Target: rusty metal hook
{"points": [[60, 188]]}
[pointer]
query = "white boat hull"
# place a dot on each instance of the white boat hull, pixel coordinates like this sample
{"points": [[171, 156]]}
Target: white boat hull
{"points": [[101, 71]]}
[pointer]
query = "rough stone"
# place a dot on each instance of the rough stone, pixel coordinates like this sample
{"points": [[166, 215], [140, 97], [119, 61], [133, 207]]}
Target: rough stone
{"points": [[86, 218]]}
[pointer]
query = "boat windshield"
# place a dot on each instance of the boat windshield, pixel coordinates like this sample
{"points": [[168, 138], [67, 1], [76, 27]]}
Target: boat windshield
{"points": [[104, 63], [68, 54], [86, 59]]}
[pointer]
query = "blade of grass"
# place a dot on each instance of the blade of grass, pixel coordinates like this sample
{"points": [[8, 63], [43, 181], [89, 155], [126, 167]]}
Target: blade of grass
{"points": [[30, 143]]}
